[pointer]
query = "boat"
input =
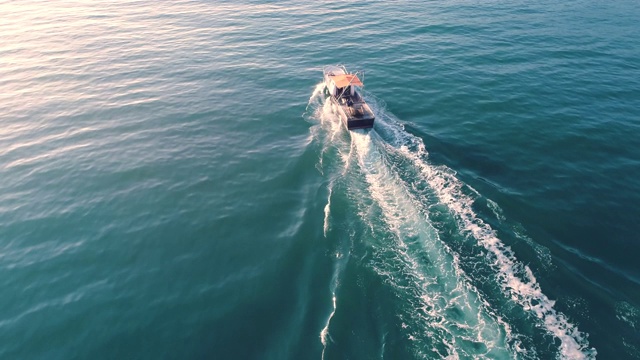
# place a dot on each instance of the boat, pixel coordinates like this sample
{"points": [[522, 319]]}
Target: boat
{"points": [[343, 90]]}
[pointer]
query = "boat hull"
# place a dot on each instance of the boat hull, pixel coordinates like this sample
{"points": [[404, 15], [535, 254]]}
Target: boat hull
{"points": [[360, 124]]}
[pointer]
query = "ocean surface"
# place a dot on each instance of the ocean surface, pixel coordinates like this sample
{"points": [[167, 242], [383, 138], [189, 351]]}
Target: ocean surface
{"points": [[173, 184]]}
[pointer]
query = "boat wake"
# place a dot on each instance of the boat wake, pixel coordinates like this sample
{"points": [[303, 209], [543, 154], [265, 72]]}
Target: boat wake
{"points": [[464, 292]]}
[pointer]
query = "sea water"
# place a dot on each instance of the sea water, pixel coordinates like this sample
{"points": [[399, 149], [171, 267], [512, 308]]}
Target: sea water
{"points": [[174, 184]]}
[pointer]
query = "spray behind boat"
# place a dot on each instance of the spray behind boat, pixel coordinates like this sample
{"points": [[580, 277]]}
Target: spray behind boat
{"points": [[342, 87]]}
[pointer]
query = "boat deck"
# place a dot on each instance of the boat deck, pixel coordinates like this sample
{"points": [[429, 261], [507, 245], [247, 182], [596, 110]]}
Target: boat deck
{"points": [[357, 113]]}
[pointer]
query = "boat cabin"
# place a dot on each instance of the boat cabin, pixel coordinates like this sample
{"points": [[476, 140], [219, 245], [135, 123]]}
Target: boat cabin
{"points": [[343, 85]]}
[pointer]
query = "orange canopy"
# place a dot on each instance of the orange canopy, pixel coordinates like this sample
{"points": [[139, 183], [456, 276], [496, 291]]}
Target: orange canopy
{"points": [[343, 80]]}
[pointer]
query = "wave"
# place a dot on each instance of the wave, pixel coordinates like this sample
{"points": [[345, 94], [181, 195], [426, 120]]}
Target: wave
{"points": [[517, 279], [447, 304], [446, 315]]}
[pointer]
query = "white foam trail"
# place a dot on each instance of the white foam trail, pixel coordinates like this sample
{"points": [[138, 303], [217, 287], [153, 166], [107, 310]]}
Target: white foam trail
{"points": [[327, 209], [516, 279], [495, 208], [319, 109], [525, 291], [316, 93], [444, 288], [338, 269], [324, 111], [331, 125], [330, 116], [347, 160], [324, 334], [329, 122], [483, 333]]}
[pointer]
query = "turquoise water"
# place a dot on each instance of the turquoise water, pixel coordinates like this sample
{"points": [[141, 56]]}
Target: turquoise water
{"points": [[174, 185]]}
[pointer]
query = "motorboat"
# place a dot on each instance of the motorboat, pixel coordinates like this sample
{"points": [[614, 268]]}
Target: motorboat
{"points": [[343, 90]]}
